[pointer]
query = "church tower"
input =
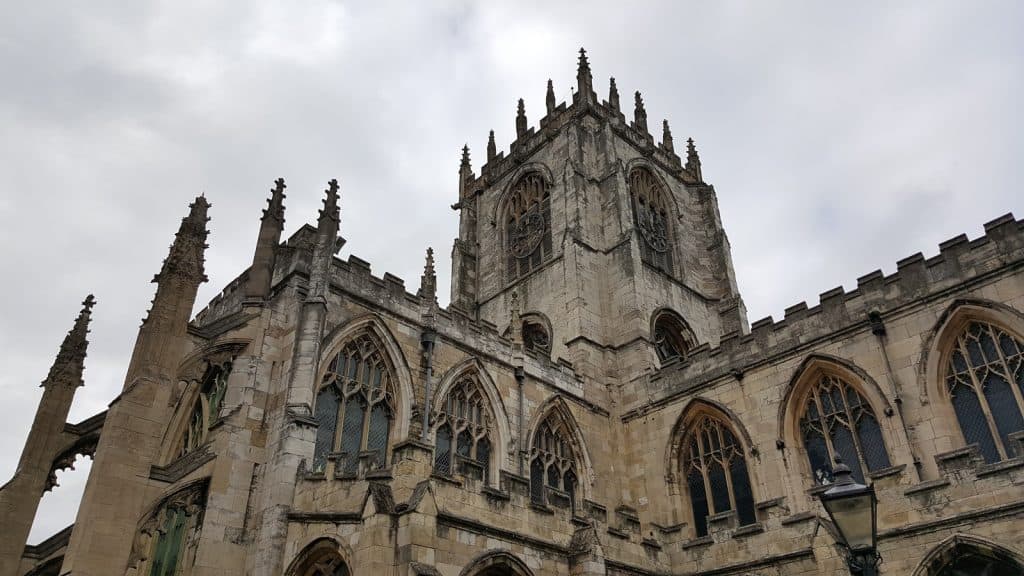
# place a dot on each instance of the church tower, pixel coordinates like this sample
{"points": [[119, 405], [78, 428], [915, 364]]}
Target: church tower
{"points": [[610, 240]]}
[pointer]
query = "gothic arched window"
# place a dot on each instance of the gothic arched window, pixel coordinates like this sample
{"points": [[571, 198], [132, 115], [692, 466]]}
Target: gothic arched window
{"points": [[166, 542], [464, 427], [206, 407], [354, 409], [838, 421], [536, 337], [985, 380], [553, 461], [320, 559], [672, 338], [651, 216], [528, 225], [716, 474]]}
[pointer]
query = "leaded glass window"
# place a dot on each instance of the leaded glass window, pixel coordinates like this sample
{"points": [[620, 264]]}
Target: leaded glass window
{"points": [[716, 474], [354, 409], [528, 225], [165, 544], [985, 380], [651, 216], [838, 421], [206, 406], [464, 425], [552, 460]]}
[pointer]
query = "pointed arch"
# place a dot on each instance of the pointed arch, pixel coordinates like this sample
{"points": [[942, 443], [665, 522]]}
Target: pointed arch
{"points": [[472, 368], [971, 386], [494, 562], [324, 556], [537, 334], [374, 325], [708, 453], [671, 335], [646, 164], [554, 417], [966, 546], [167, 534], [506, 191]]}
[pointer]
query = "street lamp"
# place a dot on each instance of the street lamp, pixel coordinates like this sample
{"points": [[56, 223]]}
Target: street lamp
{"points": [[853, 509]]}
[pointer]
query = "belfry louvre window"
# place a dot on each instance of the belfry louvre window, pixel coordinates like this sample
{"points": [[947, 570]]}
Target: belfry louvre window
{"points": [[528, 225], [354, 409], [536, 338], [206, 407], [552, 461], [716, 474], [464, 429], [651, 216], [985, 379], [838, 421]]}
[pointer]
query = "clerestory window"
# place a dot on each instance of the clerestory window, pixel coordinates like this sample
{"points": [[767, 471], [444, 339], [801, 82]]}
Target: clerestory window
{"points": [[528, 225], [206, 406], [354, 409], [716, 474], [985, 380]]}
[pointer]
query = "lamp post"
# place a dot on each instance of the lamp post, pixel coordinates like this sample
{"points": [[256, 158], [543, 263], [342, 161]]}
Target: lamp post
{"points": [[853, 509]]}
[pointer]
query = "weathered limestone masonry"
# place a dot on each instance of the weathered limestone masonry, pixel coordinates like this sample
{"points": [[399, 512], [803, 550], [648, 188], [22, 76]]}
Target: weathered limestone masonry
{"points": [[592, 402]]}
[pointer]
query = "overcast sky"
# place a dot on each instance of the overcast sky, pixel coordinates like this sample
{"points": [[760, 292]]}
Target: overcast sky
{"points": [[841, 137]]}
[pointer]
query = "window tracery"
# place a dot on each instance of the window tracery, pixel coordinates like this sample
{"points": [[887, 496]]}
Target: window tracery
{"points": [[536, 338], [669, 335], [985, 381], [716, 474], [464, 427], [528, 225], [838, 421], [354, 409], [553, 461], [206, 407], [651, 216]]}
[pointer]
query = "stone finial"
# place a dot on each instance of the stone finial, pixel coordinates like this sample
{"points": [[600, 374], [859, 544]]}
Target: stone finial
{"points": [[257, 286], [584, 80], [693, 160], [185, 260], [275, 204], [666, 137], [330, 211], [326, 244], [613, 95], [492, 149], [521, 118], [550, 98], [465, 165], [428, 281], [69, 364], [639, 113]]}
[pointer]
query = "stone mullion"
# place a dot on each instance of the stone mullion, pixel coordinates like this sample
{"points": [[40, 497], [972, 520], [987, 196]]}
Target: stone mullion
{"points": [[980, 393], [826, 426], [1011, 379], [851, 422], [726, 470]]}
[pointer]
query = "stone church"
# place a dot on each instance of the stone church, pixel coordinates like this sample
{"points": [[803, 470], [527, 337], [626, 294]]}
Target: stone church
{"points": [[593, 401]]}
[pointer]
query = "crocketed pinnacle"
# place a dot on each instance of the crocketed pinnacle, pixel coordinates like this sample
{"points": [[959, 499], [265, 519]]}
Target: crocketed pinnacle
{"points": [[693, 160], [492, 148], [186, 261], [639, 113], [613, 95], [521, 118], [70, 362], [465, 165], [275, 204], [584, 65], [326, 244], [330, 211], [584, 80], [428, 281], [666, 137], [550, 98]]}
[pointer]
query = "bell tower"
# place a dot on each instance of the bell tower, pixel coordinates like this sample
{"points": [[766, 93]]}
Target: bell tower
{"points": [[600, 231]]}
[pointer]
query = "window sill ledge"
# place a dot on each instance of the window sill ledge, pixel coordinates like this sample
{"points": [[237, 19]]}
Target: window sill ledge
{"points": [[698, 542]]}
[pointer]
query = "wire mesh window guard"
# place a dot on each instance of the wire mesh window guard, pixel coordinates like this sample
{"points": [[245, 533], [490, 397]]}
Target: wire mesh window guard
{"points": [[354, 409], [552, 461], [716, 474], [985, 380], [465, 416], [838, 421]]}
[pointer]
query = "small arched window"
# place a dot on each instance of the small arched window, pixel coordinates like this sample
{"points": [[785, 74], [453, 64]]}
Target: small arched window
{"points": [[165, 544], [320, 559], [464, 429], [651, 217], [838, 421], [528, 225], [536, 337], [553, 461], [672, 338], [206, 407], [985, 380], [354, 409], [716, 474]]}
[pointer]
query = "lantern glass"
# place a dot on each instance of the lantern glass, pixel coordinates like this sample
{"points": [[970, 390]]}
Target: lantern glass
{"points": [[853, 512]]}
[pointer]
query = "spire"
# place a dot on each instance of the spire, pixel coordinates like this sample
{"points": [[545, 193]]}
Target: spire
{"points": [[666, 137], [639, 113], [326, 244], [693, 160], [271, 225], [428, 281], [521, 118], [492, 149], [68, 366], [185, 260], [583, 78], [613, 96], [550, 97]]}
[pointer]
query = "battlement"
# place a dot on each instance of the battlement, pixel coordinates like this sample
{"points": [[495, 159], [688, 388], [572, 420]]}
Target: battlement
{"points": [[917, 279]]}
